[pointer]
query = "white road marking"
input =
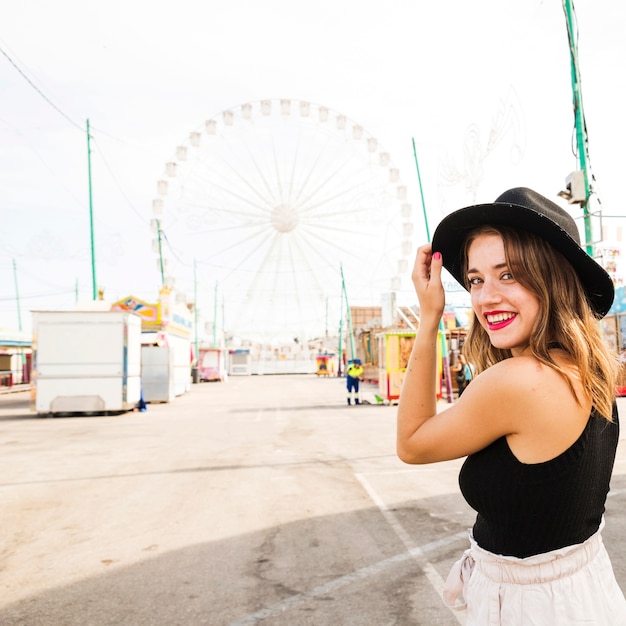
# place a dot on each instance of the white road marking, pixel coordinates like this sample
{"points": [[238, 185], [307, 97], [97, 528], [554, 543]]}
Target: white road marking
{"points": [[417, 552], [413, 551]]}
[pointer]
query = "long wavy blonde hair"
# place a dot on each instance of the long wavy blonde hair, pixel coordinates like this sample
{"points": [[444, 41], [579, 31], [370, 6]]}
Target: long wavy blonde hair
{"points": [[565, 317]]}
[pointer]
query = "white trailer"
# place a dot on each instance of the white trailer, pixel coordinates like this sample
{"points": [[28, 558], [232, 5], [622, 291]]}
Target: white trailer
{"points": [[157, 374], [181, 347], [165, 365], [86, 362]]}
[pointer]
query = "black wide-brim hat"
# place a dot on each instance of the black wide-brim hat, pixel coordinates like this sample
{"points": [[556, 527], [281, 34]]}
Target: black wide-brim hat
{"points": [[525, 209]]}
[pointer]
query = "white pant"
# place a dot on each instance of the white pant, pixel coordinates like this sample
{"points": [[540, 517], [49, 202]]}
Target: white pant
{"points": [[572, 586]]}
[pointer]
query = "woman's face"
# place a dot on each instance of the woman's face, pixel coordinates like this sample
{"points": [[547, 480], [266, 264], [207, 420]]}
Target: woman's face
{"points": [[503, 307]]}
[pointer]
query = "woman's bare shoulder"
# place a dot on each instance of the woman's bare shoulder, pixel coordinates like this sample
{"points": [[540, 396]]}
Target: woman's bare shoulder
{"points": [[519, 389], [542, 413], [521, 372]]}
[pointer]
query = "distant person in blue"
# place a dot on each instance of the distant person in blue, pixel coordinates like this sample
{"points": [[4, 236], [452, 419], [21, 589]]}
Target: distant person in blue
{"points": [[353, 374], [538, 426], [141, 405]]}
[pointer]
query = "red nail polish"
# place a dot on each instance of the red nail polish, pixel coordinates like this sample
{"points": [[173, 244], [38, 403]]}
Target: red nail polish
{"points": [[437, 255]]}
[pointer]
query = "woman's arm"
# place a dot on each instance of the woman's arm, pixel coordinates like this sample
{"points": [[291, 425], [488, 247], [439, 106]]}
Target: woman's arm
{"points": [[418, 401], [494, 405]]}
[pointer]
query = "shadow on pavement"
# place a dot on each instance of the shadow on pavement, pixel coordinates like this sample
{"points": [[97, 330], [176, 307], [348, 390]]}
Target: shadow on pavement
{"points": [[348, 569], [343, 569]]}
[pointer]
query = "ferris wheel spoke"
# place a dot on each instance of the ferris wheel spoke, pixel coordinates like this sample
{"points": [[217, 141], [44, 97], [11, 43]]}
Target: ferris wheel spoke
{"points": [[268, 200], [330, 200], [240, 229], [294, 170], [254, 286], [241, 244], [307, 261], [262, 204], [277, 174], [259, 268], [199, 204], [350, 230], [265, 179], [240, 182], [317, 162], [353, 254], [298, 296], [308, 203], [296, 164], [179, 228]]}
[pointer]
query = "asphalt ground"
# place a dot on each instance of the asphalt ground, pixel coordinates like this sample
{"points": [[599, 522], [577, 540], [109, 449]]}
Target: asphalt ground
{"points": [[263, 500]]}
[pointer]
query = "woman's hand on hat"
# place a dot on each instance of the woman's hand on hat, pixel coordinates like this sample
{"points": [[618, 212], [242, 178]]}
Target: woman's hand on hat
{"points": [[426, 278]]}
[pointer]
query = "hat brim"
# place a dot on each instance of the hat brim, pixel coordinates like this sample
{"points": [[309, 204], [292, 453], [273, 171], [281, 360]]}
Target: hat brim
{"points": [[450, 234]]}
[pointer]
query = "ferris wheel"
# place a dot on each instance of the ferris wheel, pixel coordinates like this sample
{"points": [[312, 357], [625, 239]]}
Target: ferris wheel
{"points": [[271, 202]]}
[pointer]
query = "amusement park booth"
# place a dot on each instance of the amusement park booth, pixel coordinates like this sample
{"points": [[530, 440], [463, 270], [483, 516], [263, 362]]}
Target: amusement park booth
{"points": [[239, 362], [85, 362], [166, 353], [212, 364], [394, 351], [15, 357], [614, 332], [326, 364]]}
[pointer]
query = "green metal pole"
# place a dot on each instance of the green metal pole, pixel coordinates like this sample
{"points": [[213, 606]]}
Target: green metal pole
{"points": [[215, 316], [94, 285], [419, 180], [194, 374], [579, 119], [159, 239], [24, 377], [350, 329], [340, 346], [195, 308], [17, 297], [445, 357], [326, 320]]}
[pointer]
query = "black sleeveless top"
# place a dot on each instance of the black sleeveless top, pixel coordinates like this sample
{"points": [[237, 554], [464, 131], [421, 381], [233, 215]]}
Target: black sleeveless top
{"points": [[527, 509]]}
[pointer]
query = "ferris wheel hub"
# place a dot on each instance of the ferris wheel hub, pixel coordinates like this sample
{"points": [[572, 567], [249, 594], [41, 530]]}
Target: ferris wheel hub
{"points": [[284, 218]]}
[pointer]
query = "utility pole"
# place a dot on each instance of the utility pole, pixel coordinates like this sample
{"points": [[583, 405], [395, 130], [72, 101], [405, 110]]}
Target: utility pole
{"points": [[94, 286], [445, 356], [340, 345], [17, 296], [19, 321], [419, 180], [581, 131], [215, 316], [196, 363], [160, 244], [349, 314]]}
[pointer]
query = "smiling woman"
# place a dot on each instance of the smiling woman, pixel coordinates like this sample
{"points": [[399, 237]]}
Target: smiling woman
{"points": [[504, 307], [538, 424]]}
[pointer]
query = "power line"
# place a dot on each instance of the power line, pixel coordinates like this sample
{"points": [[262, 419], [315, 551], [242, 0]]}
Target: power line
{"points": [[41, 93], [119, 186], [38, 295]]}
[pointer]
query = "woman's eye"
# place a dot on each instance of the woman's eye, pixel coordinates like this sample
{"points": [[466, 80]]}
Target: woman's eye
{"points": [[507, 276], [474, 280]]}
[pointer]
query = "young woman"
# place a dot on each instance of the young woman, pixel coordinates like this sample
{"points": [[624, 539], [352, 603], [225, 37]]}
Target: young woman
{"points": [[538, 423]]}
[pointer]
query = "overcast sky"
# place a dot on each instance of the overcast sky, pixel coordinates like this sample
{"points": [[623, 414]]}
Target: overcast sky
{"points": [[482, 87]]}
